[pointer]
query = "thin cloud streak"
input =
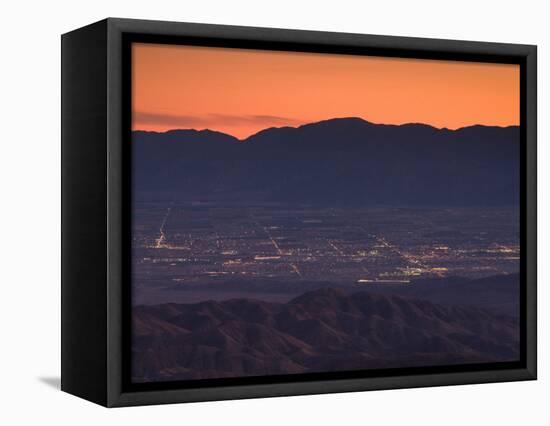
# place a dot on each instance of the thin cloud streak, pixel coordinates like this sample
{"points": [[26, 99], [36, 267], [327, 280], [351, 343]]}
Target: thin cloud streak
{"points": [[211, 121]]}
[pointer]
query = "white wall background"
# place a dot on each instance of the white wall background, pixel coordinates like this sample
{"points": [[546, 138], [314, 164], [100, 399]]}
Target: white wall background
{"points": [[30, 211]]}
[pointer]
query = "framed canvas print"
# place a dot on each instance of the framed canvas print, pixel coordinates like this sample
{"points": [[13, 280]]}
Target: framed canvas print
{"points": [[253, 212]]}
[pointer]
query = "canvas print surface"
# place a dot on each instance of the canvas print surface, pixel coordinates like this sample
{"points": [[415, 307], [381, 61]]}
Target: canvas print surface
{"points": [[297, 213]]}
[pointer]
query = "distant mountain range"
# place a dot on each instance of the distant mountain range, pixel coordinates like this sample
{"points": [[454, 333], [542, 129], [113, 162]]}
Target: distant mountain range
{"points": [[346, 161], [322, 330]]}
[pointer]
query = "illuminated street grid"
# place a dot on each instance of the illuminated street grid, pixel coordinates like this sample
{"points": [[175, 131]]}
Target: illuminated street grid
{"points": [[193, 244]]}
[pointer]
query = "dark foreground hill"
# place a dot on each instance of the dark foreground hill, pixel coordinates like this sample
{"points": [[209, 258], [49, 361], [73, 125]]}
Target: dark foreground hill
{"points": [[346, 161], [499, 294], [323, 330]]}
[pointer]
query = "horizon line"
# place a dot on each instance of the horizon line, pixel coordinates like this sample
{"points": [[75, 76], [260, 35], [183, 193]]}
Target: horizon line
{"points": [[323, 121]]}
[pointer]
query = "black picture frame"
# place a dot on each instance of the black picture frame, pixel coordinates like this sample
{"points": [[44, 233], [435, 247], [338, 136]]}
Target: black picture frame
{"points": [[96, 177]]}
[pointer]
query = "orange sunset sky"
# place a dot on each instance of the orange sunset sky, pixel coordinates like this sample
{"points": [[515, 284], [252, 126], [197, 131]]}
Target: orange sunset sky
{"points": [[241, 92]]}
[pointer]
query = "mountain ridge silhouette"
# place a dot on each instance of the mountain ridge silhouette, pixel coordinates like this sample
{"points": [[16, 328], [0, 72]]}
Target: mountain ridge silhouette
{"points": [[346, 161], [321, 122]]}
